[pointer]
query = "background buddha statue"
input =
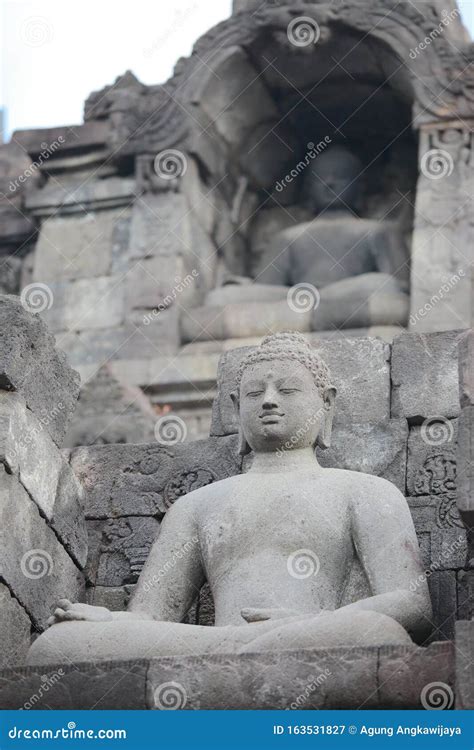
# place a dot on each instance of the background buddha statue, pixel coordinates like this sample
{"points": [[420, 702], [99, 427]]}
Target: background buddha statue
{"points": [[358, 266]]}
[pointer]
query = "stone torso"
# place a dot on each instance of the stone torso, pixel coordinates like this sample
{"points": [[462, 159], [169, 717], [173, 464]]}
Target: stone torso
{"points": [[276, 541], [324, 250]]}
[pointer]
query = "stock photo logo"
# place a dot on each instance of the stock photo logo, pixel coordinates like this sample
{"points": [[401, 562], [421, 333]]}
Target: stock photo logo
{"points": [[170, 164], [303, 31], [302, 298], [36, 31], [437, 431], [170, 696], [36, 564], [436, 164], [36, 297], [304, 563], [170, 430], [437, 696]]}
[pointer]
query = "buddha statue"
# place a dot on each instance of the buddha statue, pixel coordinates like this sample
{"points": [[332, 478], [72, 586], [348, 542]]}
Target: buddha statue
{"points": [[278, 544], [358, 266]]}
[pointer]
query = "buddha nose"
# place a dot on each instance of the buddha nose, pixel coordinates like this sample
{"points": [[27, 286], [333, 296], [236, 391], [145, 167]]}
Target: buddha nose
{"points": [[270, 398]]}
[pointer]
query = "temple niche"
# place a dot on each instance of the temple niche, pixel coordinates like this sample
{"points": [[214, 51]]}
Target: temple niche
{"points": [[317, 188]]}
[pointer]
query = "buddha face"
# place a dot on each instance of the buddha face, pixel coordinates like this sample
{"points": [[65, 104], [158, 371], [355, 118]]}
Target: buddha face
{"points": [[280, 406], [333, 181]]}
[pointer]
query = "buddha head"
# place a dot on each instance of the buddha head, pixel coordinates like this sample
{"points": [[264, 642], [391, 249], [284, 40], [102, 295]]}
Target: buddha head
{"points": [[333, 181], [285, 399]]}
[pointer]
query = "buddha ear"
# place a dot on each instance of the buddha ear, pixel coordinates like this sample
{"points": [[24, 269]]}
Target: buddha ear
{"points": [[243, 447], [324, 438]]}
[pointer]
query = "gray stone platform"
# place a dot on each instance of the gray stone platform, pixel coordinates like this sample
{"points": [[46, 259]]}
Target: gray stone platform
{"points": [[339, 678]]}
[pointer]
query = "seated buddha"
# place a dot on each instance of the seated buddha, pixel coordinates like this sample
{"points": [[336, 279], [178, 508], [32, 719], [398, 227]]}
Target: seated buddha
{"points": [[279, 544], [358, 266]]}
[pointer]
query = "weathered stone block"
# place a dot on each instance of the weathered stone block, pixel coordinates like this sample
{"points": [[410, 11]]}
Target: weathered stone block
{"points": [[425, 375], [464, 647], [442, 586], [28, 450], [70, 193], [466, 593], [33, 563], [360, 373], [144, 480], [117, 685], [74, 137], [15, 629], [31, 365], [465, 457], [75, 247], [118, 549], [402, 677], [115, 598], [310, 679], [378, 449], [86, 303], [160, 226]]}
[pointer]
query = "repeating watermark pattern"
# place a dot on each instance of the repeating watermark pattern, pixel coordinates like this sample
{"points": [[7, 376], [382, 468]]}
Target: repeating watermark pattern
{"points": [[313, 151], [437, 430], [304, 563], [36, 564], [448, 16], [36, 31], [314, 683], [170, 430], [459, 543], [444, 289], [436, 164], [47, 682], [170, 164], [303, 31], [180, 286], [170, 696], [303, 297], [36, 297], [437, 696], [47, 150]]}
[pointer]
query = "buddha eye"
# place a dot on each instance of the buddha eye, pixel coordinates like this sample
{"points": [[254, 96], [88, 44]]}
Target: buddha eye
{"points": [[289, 390], [253, 394]]}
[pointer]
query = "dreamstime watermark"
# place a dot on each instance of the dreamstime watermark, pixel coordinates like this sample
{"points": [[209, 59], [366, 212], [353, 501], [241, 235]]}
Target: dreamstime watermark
{"points": [[36, 31], [437, 696], [47, 682], [170, 164], [179, 554], [36, 564], [437, 430], [170, 696], [170, 430], [313, 151], [289, 444], [304, 563], [36, 297], [180, 286], [180, 16], [444, 289], [315, 682], [458, 543], [302, 298], [32, 432], [436, 164], [448, 16], [47, 150], [303, 31]]}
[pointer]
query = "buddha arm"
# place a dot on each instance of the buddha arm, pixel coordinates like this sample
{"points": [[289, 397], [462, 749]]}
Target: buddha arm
{"points": [[173, 573], [386, 544]]}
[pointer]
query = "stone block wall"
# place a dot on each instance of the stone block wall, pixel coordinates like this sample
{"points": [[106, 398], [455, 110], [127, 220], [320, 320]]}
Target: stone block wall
{"points": [[43, 536]]}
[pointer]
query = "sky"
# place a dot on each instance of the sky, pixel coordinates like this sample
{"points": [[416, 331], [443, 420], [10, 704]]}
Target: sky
{"points": [[53, 54]]}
